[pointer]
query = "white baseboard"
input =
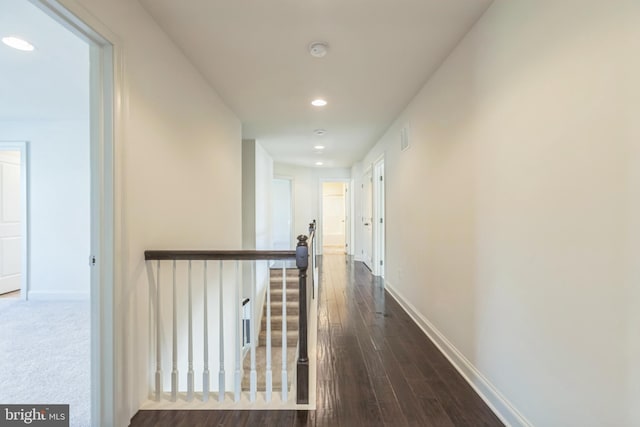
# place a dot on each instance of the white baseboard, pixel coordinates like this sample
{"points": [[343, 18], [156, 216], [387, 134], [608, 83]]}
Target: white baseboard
{"points": [[57, 296], [498, 403]]}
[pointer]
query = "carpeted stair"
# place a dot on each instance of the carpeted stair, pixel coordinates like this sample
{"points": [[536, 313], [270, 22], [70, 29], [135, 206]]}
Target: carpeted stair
{"points": [[276, 333]]}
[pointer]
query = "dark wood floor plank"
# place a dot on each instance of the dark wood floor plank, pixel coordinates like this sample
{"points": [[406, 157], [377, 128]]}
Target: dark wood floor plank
{"points": [[375, 367]]}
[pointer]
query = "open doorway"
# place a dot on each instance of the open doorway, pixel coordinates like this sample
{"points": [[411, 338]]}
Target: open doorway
{"points": [[58, 96], [334, 217]]}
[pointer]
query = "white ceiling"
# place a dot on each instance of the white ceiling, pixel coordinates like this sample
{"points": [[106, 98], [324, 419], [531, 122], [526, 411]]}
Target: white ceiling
{"points": [[50, 83], [254, 53]]}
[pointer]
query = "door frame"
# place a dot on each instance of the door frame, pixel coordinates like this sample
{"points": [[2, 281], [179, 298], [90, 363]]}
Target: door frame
{"points": [[363, 210], [106, 77], [23, 148], [347, 209], [379, 219]]}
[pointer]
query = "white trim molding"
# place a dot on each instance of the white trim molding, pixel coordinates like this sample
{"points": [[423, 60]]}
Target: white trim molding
{"points": [[496, 401]]}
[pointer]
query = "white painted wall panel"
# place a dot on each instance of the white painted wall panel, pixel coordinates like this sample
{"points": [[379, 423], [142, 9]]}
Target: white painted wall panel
{"points": [[59, 210], [178, 175], [515, 247], [11, 259], [10, 197]]}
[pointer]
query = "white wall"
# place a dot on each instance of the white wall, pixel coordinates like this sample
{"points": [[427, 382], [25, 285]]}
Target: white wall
{"points": [[248, 194], [264, 180], [512, 220], [306, 192], [178, 176], [257, 177], [281, 213], [59, 209]]}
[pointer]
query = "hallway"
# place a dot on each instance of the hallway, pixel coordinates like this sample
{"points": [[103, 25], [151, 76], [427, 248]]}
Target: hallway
{"points": [[375, 368]]}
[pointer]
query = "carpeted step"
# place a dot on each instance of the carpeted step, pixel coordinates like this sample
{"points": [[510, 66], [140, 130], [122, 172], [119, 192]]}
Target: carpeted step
{"points": [[276, 323], [276, 338], [261, 368], [292, 308], [292, 293], [292, 273], [276, 282]]}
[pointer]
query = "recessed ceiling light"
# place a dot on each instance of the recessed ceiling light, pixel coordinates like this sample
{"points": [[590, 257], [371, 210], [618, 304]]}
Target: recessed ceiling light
{"points": [[319, 163], [319, 147], [318, 102], [18, 43], [320, 132]]}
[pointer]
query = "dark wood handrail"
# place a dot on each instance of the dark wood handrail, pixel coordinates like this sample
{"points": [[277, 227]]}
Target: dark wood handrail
{"points": [[218, 255]]}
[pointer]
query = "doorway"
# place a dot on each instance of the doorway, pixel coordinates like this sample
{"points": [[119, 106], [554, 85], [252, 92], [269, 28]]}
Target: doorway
{"points": [[334, 217], [99, 129]]}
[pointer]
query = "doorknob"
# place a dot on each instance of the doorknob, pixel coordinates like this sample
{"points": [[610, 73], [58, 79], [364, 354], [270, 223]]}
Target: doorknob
{"points": [[366, 223]]}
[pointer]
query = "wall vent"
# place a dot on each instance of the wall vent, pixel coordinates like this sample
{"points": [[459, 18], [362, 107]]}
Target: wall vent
{"points": [[404, 138]]}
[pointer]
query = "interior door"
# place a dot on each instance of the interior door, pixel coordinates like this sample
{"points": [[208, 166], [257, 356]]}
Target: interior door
{"points": [[367, 219], [10, 238]]}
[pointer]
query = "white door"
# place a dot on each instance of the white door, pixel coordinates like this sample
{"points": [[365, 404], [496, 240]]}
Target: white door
{"points": [[10, 228], [367, 219]]}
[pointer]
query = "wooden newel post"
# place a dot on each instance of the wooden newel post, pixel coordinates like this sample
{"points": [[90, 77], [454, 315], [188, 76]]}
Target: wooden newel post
{"points": [[302, 262]]}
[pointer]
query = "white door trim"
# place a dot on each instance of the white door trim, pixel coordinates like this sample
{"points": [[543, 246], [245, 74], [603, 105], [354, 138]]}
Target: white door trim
{"points": [[378, 215], [23, 148], [106, 88]]}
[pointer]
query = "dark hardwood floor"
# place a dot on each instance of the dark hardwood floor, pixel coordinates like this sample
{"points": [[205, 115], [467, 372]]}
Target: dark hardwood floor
{"points": [[375, 368]]}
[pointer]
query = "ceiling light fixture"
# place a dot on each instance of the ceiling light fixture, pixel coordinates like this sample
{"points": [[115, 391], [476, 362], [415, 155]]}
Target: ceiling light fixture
{"points": [[319, 163], [318, 102], [319, 147], [18, 43], [318, 49], [320, 132]]}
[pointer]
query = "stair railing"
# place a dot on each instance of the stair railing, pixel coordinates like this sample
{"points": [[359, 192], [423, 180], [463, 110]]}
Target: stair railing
{"points": [[197, 266], [305, 251]]}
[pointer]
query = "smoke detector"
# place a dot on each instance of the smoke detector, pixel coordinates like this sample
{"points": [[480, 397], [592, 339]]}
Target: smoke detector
{"points": [[318, 49], [320, 132]]}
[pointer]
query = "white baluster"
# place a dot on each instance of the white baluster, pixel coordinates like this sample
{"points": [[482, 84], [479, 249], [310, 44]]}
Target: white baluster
{"points": [[253, 377], [268, 373], [174, 372], [221, 375], [205, 372], [285, 385], [238, 303], [158, 338], [190, 371]]}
